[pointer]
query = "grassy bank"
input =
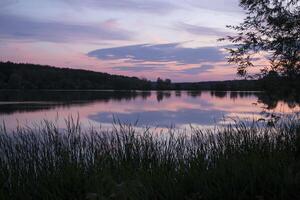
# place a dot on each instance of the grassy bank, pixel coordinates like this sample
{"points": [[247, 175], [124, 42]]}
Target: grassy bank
{"points": [[237, 162]]}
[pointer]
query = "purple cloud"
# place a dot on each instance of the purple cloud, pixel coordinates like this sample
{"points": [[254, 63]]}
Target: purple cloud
{"points": [[5, 3], [217, 5], [201, 30], [160, 53], [163, 68], [197, 70], [14, 27], [137, 68], [151, 6]]}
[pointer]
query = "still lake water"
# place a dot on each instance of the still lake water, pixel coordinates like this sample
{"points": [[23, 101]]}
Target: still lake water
{"points": [[160, 109]]}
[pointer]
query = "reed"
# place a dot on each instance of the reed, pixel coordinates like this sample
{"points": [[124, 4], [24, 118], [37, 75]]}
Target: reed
{"points": [[234, 162]]}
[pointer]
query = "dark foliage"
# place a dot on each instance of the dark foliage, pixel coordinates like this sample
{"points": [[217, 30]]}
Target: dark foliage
{"points": [[271, 27], [164, 84], [29, 76], [238, 162]]}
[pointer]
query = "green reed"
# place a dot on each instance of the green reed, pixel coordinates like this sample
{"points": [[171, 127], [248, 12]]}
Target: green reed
{"points": [[233, 162]]}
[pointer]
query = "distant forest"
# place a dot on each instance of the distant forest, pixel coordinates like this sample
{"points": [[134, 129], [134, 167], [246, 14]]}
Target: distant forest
{"points": [[31, 76]]}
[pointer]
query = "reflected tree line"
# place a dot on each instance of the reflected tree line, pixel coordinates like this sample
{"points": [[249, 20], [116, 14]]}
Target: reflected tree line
{"points": [[23, 101]]}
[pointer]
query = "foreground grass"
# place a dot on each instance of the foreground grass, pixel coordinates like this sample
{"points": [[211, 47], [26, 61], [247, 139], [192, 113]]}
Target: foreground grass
{"points": [[238, 162]]}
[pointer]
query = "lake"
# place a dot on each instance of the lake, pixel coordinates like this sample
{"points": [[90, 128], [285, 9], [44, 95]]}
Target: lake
{"points": [[161, 109]]}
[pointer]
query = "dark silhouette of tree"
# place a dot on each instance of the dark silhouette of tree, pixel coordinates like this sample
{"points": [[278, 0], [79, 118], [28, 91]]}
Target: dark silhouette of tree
{"points": [[163, 84], [15, 81], [168, 81], [29, 76], [2, 80], [159, 83], [270, 26]]}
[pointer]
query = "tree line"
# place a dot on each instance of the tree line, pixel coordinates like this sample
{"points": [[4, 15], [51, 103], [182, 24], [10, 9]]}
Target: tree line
{"points": [[31, 76]]}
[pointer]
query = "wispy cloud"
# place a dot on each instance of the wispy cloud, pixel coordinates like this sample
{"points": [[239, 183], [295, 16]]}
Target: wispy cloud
{"points": [[5, 3], [150, 6], [15, 27], [197, 70], [171, 52], [201, 30], [216, 5], [140, 68]]}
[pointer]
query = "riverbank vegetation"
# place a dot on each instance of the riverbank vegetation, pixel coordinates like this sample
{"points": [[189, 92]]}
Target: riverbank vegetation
{"points": [[232, 162], [269, 33], [31, 76], [38, 77]]}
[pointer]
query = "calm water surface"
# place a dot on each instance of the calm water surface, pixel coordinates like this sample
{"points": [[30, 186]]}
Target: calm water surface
{"points": [[147, 108]]}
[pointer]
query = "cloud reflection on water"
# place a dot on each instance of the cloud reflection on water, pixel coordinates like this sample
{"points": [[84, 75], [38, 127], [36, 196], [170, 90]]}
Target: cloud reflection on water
{"points": [[150, 108]]}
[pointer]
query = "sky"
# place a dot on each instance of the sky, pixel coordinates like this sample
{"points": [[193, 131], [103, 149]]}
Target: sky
{"points": [[174, 39]]}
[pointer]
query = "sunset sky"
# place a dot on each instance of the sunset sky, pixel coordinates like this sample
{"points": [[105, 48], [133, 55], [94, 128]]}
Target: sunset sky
{"points": [[174, 39]]}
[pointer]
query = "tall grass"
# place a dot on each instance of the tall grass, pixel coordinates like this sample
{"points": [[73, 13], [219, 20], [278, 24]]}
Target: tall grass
{"points": [[235, 162]]}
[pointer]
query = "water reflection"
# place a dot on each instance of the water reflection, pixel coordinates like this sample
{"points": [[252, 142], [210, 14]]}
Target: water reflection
{"points": [[194, 93], [150, 108], [25, 101], [271, 101], [163, 118], [70, 96], [161, 95]]}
